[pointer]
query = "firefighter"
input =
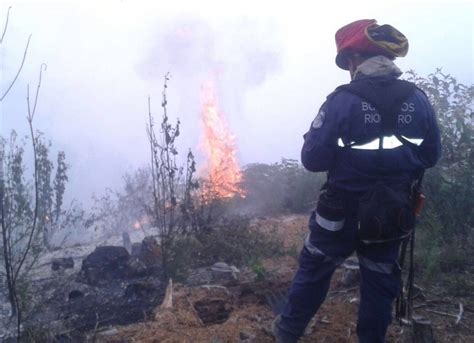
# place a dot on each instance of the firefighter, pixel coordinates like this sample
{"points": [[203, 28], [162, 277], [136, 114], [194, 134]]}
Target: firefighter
{"points": [[374, 137]]}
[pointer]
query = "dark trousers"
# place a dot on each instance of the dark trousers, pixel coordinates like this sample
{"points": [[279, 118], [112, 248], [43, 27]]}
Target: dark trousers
{"points": [[324, 250]]}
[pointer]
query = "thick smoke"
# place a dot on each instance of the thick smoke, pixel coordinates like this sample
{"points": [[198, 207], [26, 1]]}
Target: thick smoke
{"points": [[244, 51], [237, 56]]}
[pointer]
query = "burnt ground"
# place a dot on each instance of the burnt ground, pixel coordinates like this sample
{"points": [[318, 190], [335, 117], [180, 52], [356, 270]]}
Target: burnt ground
{"points": [[242, 313]]}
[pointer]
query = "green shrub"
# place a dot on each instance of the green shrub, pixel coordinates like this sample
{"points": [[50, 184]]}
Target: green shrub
{"points": [[232, 241], [445, 234]]}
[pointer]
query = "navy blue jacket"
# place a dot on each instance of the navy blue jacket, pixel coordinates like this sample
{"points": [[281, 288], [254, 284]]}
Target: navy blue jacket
{"points": [[346, 118]]}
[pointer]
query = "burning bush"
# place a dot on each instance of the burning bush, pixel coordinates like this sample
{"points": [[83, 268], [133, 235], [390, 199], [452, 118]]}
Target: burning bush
{"points": [[193, 228], [222, 167]]}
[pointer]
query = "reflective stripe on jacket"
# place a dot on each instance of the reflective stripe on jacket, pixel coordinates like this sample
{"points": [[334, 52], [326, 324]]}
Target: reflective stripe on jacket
{"points": [[345, 119]]}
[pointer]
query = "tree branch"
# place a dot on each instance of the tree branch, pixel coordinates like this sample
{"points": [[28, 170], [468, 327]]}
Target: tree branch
{"points": [[31, 114], [18, 72], [6, 25]]}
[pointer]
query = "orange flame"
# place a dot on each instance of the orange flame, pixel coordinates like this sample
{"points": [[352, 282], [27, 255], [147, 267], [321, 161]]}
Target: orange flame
{"points": [[218, 143]]}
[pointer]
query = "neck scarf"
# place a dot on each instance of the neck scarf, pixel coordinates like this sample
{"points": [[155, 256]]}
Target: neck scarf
{"points": [[377, 66]]}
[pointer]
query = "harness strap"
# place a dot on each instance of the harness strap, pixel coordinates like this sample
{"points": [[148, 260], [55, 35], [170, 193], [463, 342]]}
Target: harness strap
{"points": [[404, 303]]}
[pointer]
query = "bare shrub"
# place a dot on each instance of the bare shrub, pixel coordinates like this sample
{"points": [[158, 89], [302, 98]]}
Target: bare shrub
{"points": [[172, 207]]}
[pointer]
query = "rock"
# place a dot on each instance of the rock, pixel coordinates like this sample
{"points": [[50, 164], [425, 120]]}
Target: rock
{"points": [[222, 273], [104, 264], [223, 267], [62, 263], [219, 273]]}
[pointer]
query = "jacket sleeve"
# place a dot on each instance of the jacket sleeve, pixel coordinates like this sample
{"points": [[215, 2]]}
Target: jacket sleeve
{"points": [[430, 150], [320, 142]]}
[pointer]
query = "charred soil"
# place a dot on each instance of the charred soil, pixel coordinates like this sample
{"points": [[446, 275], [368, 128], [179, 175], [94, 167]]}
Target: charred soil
{"points": [[243, 312]]}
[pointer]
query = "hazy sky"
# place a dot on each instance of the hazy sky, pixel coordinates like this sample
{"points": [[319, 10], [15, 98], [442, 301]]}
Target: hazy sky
{"points": [[273, 64]]}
